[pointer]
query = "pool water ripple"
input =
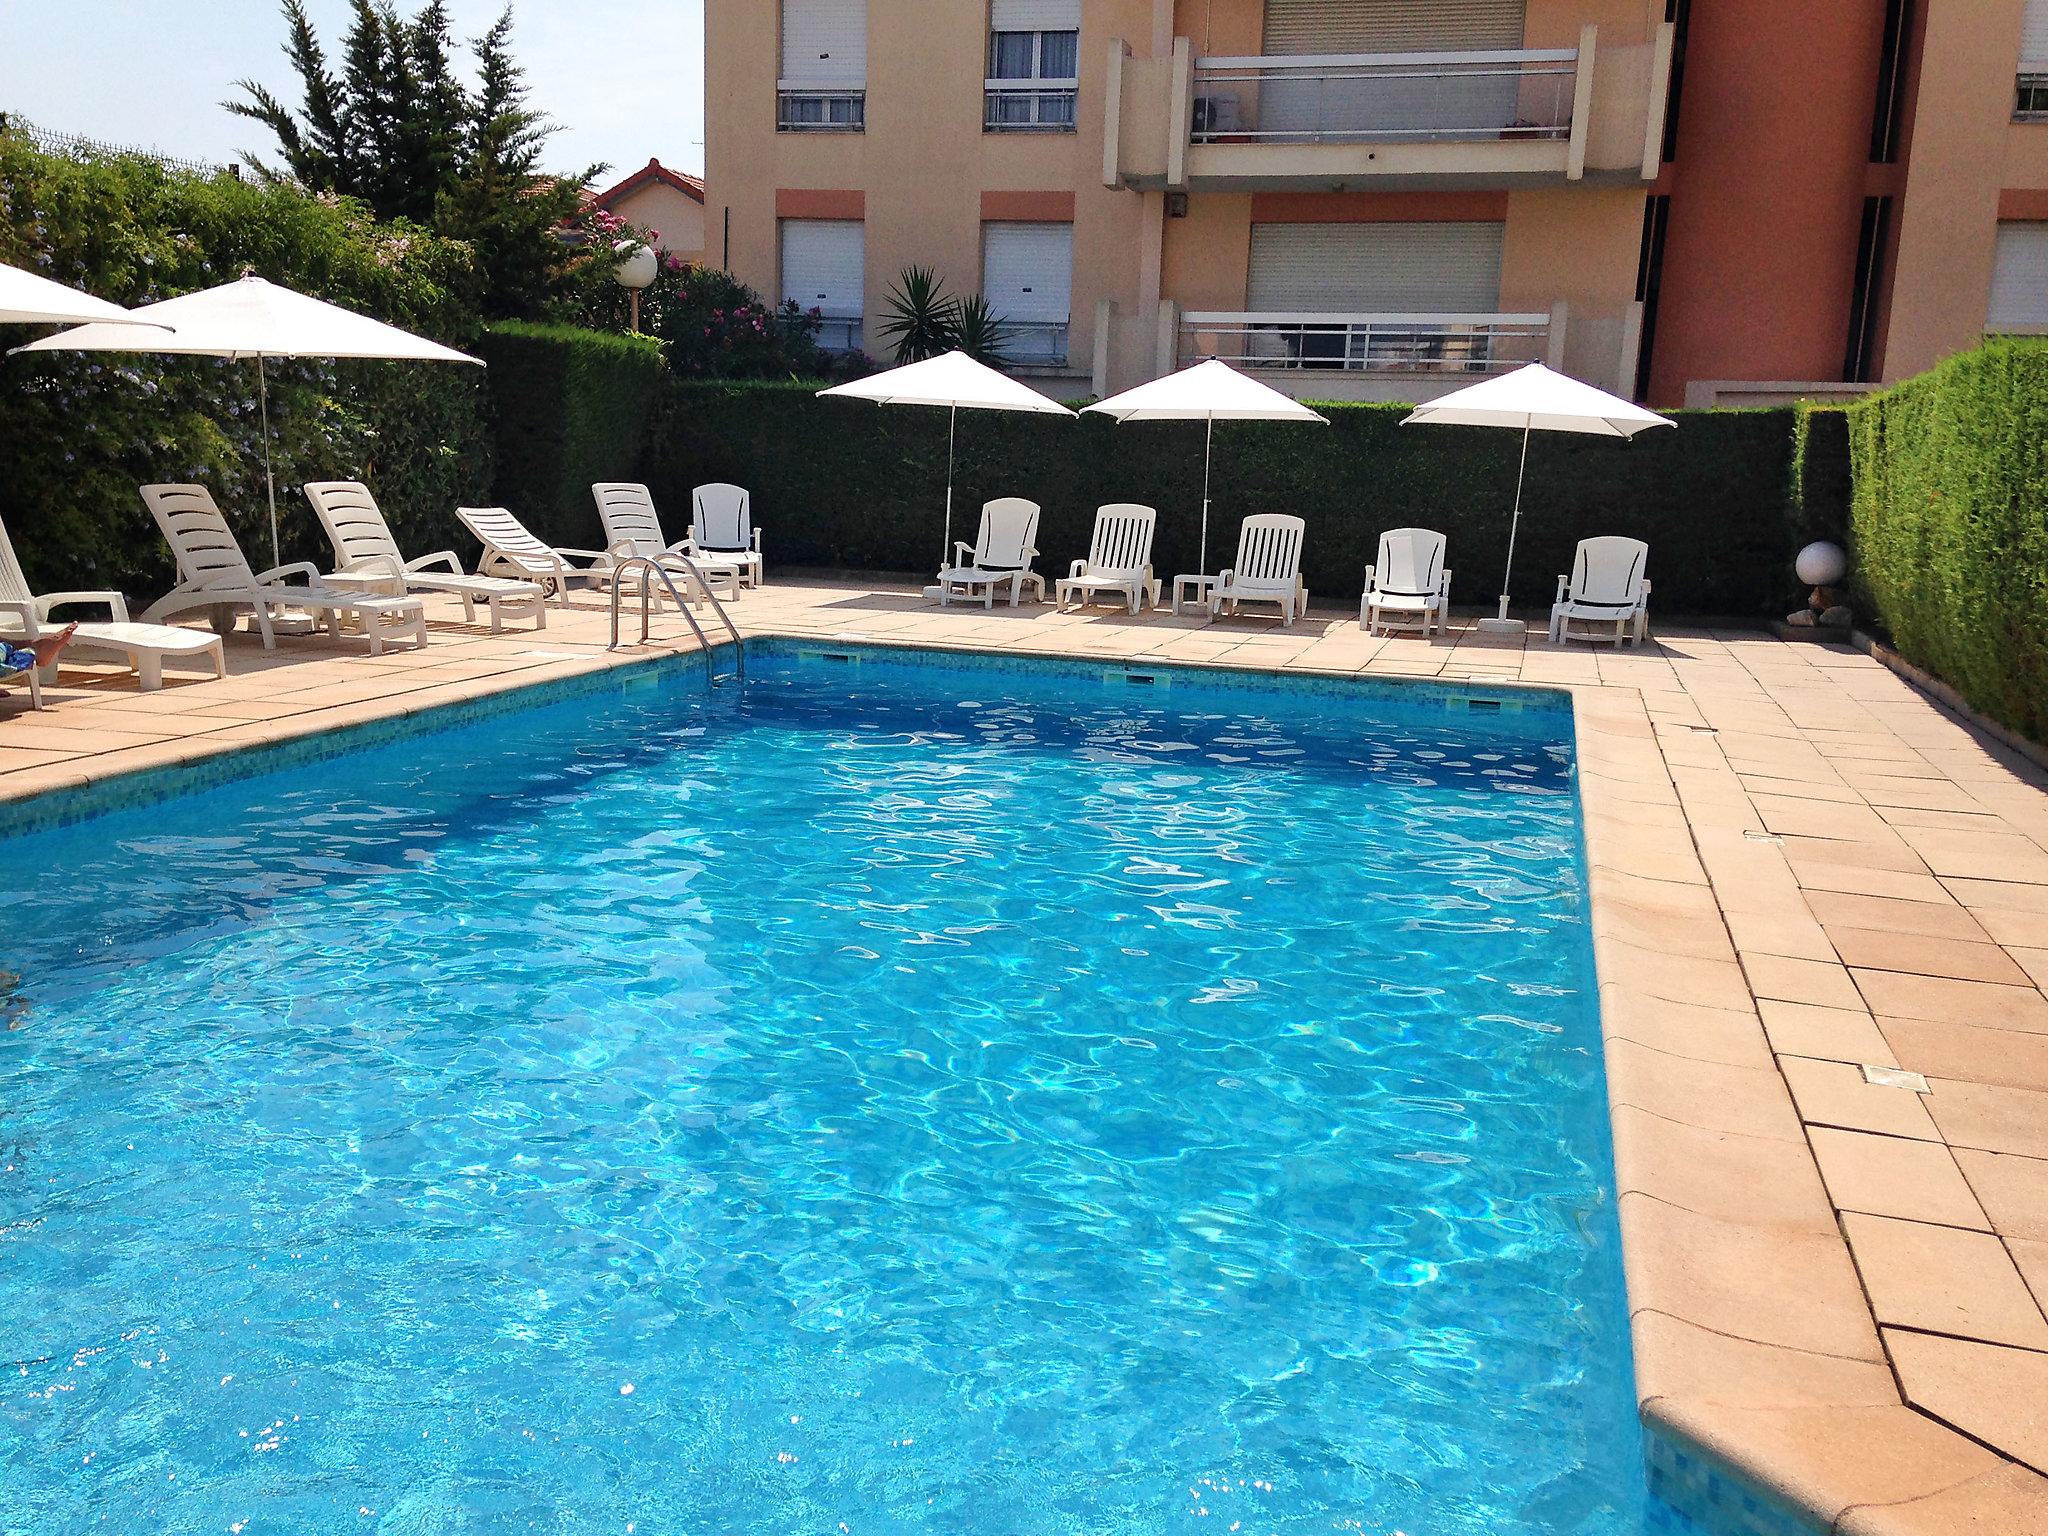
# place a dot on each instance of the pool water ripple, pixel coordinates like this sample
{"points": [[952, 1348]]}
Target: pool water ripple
{"points": [[888, 1099]]}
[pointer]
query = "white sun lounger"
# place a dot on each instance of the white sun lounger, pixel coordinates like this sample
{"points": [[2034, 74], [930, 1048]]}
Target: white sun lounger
{"points": [[1002, 551], [1267, 568], [511, 550], [366, 556], [1606, 586], [632, 529], [213, 573], [1408, 584], [145, 647], [722, 528], [1119, 559]]}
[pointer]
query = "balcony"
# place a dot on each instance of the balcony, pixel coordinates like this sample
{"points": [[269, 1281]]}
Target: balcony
{"points": [[2030, 94], [840, 333], [1367, 356], [1314, 122], [820, 109], [1033, 345], [1029, 106]]}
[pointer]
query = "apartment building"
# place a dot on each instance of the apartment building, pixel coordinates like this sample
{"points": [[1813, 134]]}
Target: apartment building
{"points": [[1382, 199]]}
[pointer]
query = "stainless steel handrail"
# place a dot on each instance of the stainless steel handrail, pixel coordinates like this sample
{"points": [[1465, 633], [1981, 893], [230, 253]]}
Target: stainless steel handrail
{"points": [[649, 566]]}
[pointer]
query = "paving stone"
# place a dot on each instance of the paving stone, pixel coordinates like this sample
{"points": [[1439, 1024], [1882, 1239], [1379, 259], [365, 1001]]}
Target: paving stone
{"points": [[1834, 1093], [1944, 1280], [1991, 1393], [2012, 1190], [1892, 1176]]}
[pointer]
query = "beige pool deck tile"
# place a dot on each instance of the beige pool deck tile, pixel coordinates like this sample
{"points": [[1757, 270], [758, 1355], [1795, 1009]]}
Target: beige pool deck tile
{"points": [[1823, 983], [2009, 1500], [2005, 1057], [1946, 919], [1827, 1034], [1990, 1117], [1917, 954], [1892, 1176], [2013, 1191], [1988, 1004], [1709, 1096], [1992, 1393], [1756, 1180], [1835, 1093], [1675, 1358], [1944, 1280]]}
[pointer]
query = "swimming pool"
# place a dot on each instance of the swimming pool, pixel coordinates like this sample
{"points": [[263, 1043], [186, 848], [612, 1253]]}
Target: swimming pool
{"points": [[907, 1093]]}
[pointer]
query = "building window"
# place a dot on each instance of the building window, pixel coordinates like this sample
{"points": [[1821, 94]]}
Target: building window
{"points": [[2019, 280], [2030, 99], [1027, 276], [824, 272], [823, 86], [1034, 63]]}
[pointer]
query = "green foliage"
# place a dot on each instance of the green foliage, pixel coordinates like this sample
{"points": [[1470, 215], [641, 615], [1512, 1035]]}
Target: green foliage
{"points": [[922, 319], [980, 332], [1950, 523], [569, 408], [398, 130], [842, 485], [79, 432]]}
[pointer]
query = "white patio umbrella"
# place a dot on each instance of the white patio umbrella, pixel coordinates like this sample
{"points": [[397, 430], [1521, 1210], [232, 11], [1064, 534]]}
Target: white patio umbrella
{"points": [[251, 319], [26, 299], [1209, 392], [1533, 399], [958, 383]]}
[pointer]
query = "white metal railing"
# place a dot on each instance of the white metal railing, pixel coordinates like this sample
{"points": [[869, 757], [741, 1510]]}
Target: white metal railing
{"points": [[1343, 98], [2030, 95], [840, 333], [1029, 106], [1035, 343], [820, 109], [1350, 343]]}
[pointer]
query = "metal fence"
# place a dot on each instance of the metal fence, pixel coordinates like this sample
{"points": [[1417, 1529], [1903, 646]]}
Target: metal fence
{"points": [[78, 147], [1365, 97]]}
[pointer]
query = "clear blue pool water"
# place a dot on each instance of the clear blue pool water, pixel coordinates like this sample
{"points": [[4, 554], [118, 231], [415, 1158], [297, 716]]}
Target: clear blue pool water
{"points": [[896, 1097]]}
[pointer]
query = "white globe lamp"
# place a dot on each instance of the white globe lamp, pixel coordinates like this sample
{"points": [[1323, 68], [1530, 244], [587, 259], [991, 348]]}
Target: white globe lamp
{"points": [[1821, 564], [638, 266]]}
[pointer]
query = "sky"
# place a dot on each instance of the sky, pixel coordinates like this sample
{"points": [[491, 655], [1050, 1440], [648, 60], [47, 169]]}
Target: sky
{"points": [[624, 79]]}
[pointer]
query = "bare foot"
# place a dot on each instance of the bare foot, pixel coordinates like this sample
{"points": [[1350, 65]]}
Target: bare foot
{"points": [[46, 647]]}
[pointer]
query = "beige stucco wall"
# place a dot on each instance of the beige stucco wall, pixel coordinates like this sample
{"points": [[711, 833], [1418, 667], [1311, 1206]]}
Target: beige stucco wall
{"points": [[676, 216]]}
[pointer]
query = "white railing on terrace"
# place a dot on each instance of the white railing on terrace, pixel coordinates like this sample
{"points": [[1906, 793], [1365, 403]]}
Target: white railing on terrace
{"points": [[840, 333], [1035, 343], [1029, 106], [1350, 98], [820, 109], [1302, 341]]}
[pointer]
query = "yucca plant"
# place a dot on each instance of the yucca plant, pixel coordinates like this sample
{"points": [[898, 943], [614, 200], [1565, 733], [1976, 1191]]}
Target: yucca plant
{"points": [[980, 332], [922, 318]]}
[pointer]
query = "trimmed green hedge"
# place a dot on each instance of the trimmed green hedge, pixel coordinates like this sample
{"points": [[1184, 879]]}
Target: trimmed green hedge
{"points": [[569, 407], [846, 485], [1950, 525]]}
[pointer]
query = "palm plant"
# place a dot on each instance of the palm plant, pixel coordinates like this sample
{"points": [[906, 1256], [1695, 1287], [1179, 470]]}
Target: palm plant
{"points": [[922, 319], [980, 332]]}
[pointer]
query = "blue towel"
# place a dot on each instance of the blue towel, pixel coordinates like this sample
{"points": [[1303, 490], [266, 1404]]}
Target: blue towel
{"points": [[14, 658]]}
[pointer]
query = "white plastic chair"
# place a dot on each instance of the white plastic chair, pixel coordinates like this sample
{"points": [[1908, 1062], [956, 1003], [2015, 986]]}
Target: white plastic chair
{"points": [[1002, 551], [366, 555], [1267, 568], [1606, 586], [511, 549], [632, 530], [214, 574], [722, 528], [1119, 559], [1408, 584], [145, 647]]}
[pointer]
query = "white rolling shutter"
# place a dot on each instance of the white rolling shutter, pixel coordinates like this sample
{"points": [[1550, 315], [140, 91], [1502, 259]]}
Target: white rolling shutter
{"points": [[2034, 34], [1392, 26], [2019, 278], [824, 43], [1034, 16], [1027, 271], [1376, 269], [824, 265]]}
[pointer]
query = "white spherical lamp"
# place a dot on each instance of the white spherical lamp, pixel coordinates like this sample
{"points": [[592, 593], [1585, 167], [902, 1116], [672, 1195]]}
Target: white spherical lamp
{"points": [[638, 267], [1822, 564]]}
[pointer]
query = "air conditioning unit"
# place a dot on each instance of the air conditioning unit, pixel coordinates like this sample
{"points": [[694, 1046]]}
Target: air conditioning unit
{"points": [[1216, 113]]}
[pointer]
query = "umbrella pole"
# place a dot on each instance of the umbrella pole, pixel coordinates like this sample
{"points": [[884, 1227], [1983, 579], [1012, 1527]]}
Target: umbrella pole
{"points": [[269, 474], [1515, 526], [952, 431], [1208, 447]]}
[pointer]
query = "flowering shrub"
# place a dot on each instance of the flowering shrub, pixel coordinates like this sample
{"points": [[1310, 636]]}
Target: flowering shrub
{"points": [[79, 432]]}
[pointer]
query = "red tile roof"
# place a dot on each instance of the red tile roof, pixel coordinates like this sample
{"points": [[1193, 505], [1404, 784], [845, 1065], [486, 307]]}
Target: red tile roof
{"points": [[652, 171]]}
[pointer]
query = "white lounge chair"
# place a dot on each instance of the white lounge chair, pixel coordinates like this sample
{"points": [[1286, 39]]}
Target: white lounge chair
{"points": [[511, 550], [145, 647], [1002, 551], [1119, 559], [1267, 568], [1408, 584], [722, 528], [367, 558], [632, 529], [1606, 586], [214, 574]]}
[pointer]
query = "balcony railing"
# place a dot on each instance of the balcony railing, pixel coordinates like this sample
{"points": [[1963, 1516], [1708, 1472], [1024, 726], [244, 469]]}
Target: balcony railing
{"points": [[1350, 98], [2030, 103], [1029, 106], [1035, 343], [821, 109], [840, 333], [1341, 343]]}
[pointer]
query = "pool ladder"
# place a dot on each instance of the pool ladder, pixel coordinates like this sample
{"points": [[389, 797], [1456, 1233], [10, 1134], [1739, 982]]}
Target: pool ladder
{"points": [[650, 568]]}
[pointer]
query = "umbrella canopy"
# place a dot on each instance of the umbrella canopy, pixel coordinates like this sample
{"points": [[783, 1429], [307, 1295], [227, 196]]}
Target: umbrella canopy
{"points": [[1209, 392], [26, 299], [1533, 399], [957, 383], [253, 319]]}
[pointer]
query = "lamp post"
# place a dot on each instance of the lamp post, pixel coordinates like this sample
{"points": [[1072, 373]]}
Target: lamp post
{"points": [[637, 268]]}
